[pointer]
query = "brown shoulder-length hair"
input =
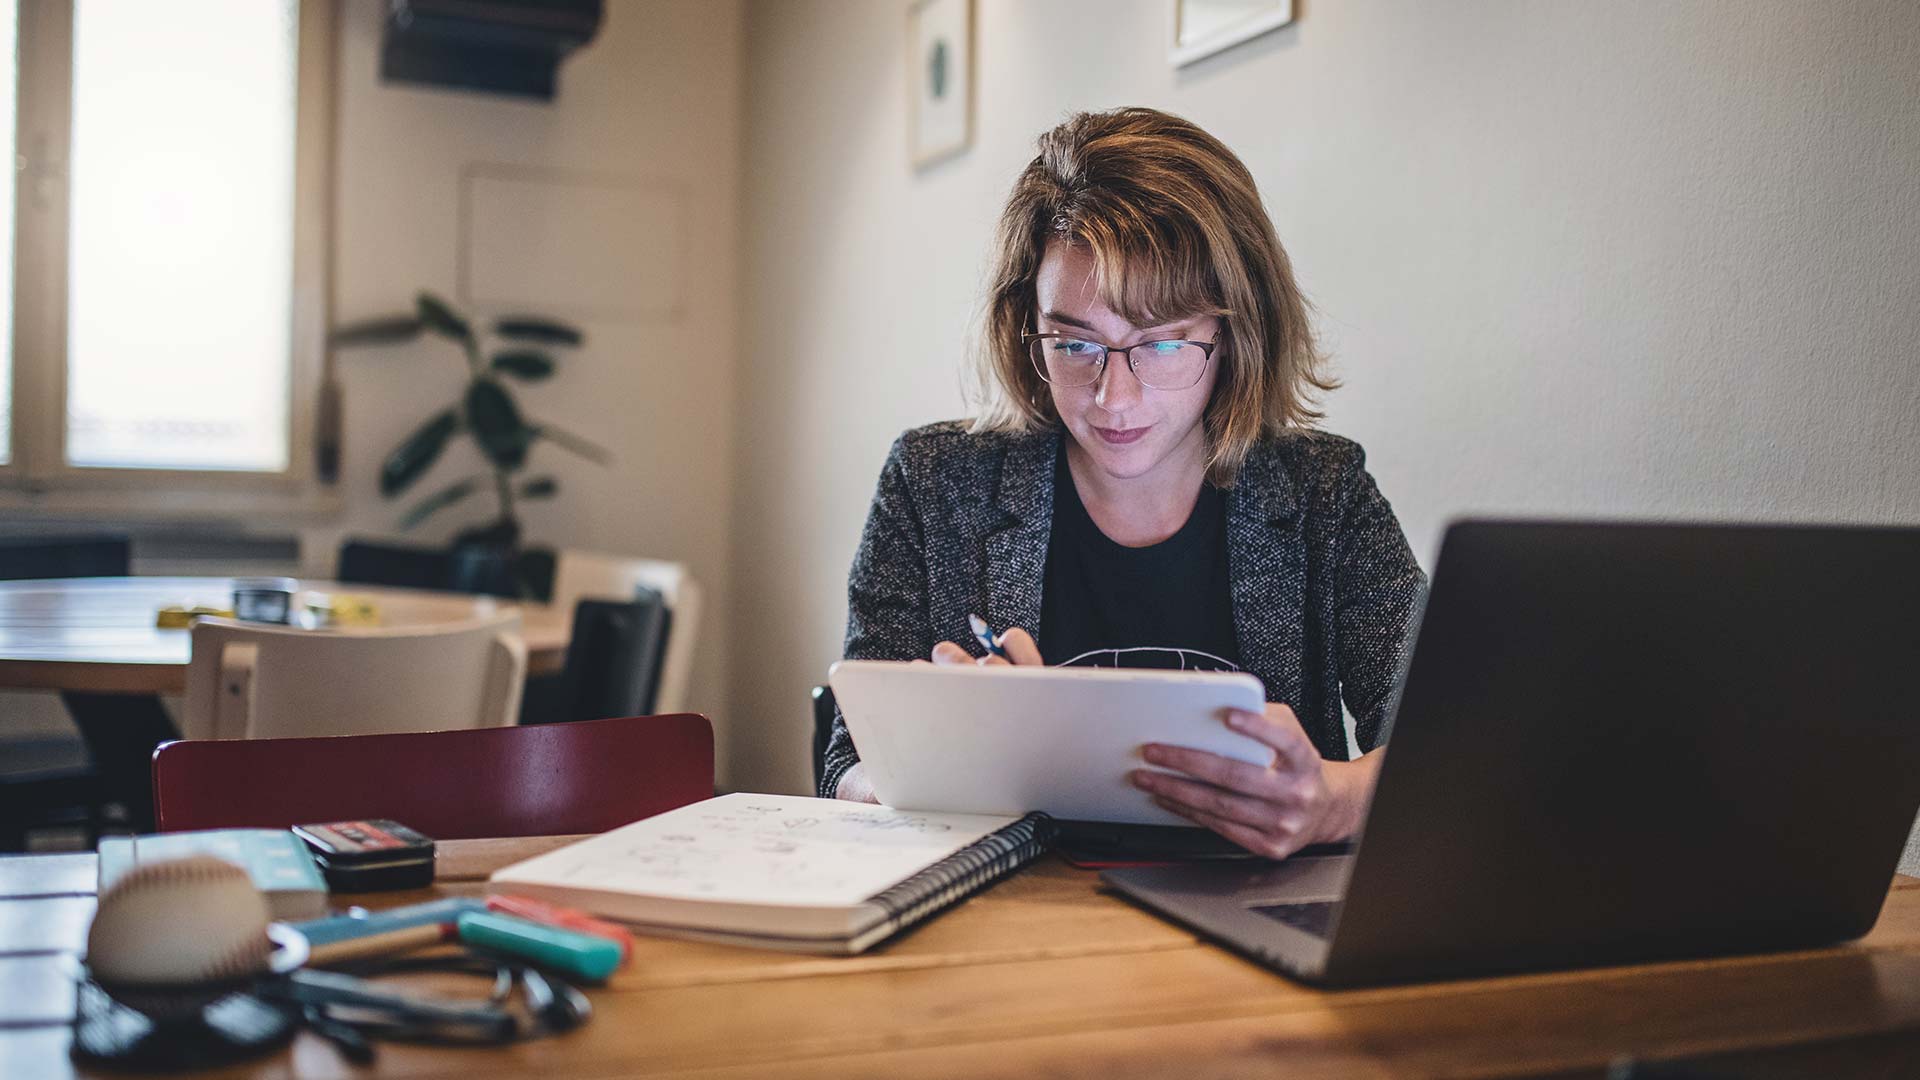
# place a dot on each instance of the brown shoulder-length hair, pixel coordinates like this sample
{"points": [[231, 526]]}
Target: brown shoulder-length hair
{"points": [[1176, 229]]}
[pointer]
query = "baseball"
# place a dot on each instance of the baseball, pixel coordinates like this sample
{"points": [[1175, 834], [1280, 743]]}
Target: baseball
{"points": [[180, 921]]}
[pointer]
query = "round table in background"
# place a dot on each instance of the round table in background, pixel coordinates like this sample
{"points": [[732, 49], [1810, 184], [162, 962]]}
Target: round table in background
{"points": [[98, 635]]}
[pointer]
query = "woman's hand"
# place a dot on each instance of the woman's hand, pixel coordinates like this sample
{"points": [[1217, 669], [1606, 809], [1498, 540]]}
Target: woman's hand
{"points": [[1274, 810], [1017, 643], [854, 785]]}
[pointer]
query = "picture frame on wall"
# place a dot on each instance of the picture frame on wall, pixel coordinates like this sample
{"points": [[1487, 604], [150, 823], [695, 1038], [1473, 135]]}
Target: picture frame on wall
{"points": [[940, 79], [1202, 28]]}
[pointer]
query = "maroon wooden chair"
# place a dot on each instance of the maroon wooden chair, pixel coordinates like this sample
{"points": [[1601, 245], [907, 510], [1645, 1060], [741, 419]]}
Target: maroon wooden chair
{"points": [[549, 780]]}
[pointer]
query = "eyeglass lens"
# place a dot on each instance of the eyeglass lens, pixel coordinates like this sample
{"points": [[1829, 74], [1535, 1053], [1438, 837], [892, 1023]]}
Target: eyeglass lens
{"points": [[1162, 365]]}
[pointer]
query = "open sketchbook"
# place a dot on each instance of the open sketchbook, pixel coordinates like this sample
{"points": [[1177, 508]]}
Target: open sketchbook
{"points": [[781, 871]]}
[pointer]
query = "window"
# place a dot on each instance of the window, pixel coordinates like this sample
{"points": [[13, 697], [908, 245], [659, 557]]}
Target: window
{"points": [[165, 331]]}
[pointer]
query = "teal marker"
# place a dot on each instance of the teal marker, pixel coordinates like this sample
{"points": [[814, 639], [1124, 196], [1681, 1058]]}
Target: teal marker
{"points": [[568, 952]]}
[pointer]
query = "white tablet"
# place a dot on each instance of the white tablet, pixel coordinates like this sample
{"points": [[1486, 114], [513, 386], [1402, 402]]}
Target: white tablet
{"points": [[1007, 740]]}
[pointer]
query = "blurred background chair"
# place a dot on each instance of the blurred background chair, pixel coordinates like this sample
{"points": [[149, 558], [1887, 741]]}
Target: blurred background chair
{"points": [[611, 668], [402, 566], [823, 709], [591, 575], [480, 569], [65, 557], [51, 782], [556, 779], [251, 680], [613, 665]]}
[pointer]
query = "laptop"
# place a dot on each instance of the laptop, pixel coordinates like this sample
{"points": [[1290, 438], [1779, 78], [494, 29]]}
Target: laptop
{"points": [[1613, 743]]}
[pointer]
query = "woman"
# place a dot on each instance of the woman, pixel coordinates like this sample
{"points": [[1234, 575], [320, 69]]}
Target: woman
{"points": [[1143, 487]]}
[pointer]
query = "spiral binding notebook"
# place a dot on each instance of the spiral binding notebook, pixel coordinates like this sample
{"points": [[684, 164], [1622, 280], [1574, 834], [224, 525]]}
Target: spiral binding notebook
{"points": [[780, 871]]}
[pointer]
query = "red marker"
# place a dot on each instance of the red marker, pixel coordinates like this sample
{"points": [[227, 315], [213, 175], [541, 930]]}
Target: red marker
{"points": [[565, 918]]}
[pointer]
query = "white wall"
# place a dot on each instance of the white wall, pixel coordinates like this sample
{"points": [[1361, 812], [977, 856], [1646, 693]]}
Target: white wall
{"points": [[1649, 258], [653, 103]]}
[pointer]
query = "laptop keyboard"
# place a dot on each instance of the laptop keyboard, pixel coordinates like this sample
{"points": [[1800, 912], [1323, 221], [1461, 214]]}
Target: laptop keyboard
{"points": [[1315, 918]]}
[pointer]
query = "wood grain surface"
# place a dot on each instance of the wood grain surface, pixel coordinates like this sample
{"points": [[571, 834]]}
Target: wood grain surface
{"points": [[1045, 974]]}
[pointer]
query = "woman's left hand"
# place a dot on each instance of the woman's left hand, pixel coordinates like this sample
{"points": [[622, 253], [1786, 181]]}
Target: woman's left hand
{"points": [[1272, 810]]}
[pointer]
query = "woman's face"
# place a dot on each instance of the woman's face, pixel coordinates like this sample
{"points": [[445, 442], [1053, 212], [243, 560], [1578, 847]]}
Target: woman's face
{"points": [[1126, 430]]}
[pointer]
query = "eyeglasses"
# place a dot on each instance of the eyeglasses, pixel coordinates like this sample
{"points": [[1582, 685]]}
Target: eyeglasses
{"points": [[1064, 360]]}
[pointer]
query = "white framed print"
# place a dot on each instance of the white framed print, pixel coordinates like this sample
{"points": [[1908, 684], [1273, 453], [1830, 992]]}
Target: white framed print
{"points": [[940, 79], [1204, 27]]}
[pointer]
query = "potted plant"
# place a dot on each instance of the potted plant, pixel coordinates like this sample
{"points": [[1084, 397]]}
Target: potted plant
{"points": [[487, 557]]}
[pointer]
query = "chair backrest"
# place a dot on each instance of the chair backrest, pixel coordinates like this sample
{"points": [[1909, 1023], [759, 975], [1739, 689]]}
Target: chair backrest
{"points": [[63, 557], [555, 779], [614, 658], [251, 680], [402, 566], [824, 708], [590, 575]]}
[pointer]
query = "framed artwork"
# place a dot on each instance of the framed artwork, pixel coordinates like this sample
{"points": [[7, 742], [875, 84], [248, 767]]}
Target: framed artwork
{"points": [[940, 78], [1204, 27]]}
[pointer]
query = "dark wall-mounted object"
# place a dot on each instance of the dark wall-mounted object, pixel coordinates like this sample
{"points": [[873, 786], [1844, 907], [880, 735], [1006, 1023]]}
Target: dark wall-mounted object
{"points": [[501, 46]]}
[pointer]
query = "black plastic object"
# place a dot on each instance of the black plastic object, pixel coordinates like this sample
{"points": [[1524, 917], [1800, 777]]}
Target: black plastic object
{"points": [[614, 661], [368, 856], [235, 1028], [509, 47]]}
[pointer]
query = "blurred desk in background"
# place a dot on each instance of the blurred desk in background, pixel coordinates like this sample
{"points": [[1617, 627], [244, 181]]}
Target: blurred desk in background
{"points": [[98, 635]]}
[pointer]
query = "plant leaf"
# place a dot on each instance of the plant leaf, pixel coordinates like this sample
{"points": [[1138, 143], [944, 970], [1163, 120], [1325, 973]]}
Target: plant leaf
{"points": [[535, 328], [496, 424], [539, 487], [438, 316], [412, 457], [433, 503], [386, 330], [568, 440], [529, 364]]}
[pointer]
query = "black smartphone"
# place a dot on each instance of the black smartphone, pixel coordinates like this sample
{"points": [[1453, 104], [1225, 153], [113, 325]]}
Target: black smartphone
{"points": [[368, 856]]}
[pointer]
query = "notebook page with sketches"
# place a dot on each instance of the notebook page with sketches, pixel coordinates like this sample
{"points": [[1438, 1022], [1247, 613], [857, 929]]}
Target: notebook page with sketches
{"points": [[776, 866]]}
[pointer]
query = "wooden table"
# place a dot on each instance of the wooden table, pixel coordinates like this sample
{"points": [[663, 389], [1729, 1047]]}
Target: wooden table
{"points": [[1046, 975], [98, 634]]}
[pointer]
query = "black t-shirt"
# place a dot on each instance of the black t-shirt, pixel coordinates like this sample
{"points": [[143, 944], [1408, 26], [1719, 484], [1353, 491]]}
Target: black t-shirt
{"points": [[1167, 605]]}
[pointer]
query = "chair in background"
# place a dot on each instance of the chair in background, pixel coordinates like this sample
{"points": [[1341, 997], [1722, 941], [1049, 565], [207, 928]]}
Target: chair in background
{"points": [[65, 557], [823, 709], [614, 660], [118, 731], [250, 680], [552, 780], [588, 575], [402, 566]]}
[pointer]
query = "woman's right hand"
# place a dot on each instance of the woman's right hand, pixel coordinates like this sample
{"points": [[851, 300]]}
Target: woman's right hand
{"points": [[854, 786], [1018, 644]]}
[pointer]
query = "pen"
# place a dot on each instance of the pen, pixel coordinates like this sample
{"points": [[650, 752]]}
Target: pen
{"points": [[399, 940], [564, 918], [569, 952], [985, 637]]}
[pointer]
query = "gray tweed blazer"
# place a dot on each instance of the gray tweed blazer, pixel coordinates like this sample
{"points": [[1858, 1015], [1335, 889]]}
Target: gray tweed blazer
{"points": [[1324, 584]]}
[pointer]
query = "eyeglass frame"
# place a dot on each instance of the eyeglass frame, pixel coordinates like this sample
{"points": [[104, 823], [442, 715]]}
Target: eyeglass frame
{"points": [[1028, 337]]}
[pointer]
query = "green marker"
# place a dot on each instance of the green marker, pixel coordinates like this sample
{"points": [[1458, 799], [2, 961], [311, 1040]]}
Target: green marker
{"points": [[568, 952]]}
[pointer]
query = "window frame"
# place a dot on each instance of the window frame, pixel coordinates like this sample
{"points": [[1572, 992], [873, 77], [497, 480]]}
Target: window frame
{"points": [[37, 476]]}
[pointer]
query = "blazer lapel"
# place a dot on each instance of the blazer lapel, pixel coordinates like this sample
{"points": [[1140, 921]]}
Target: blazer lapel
{"points": [[1017, 550], [1266, 563]]}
